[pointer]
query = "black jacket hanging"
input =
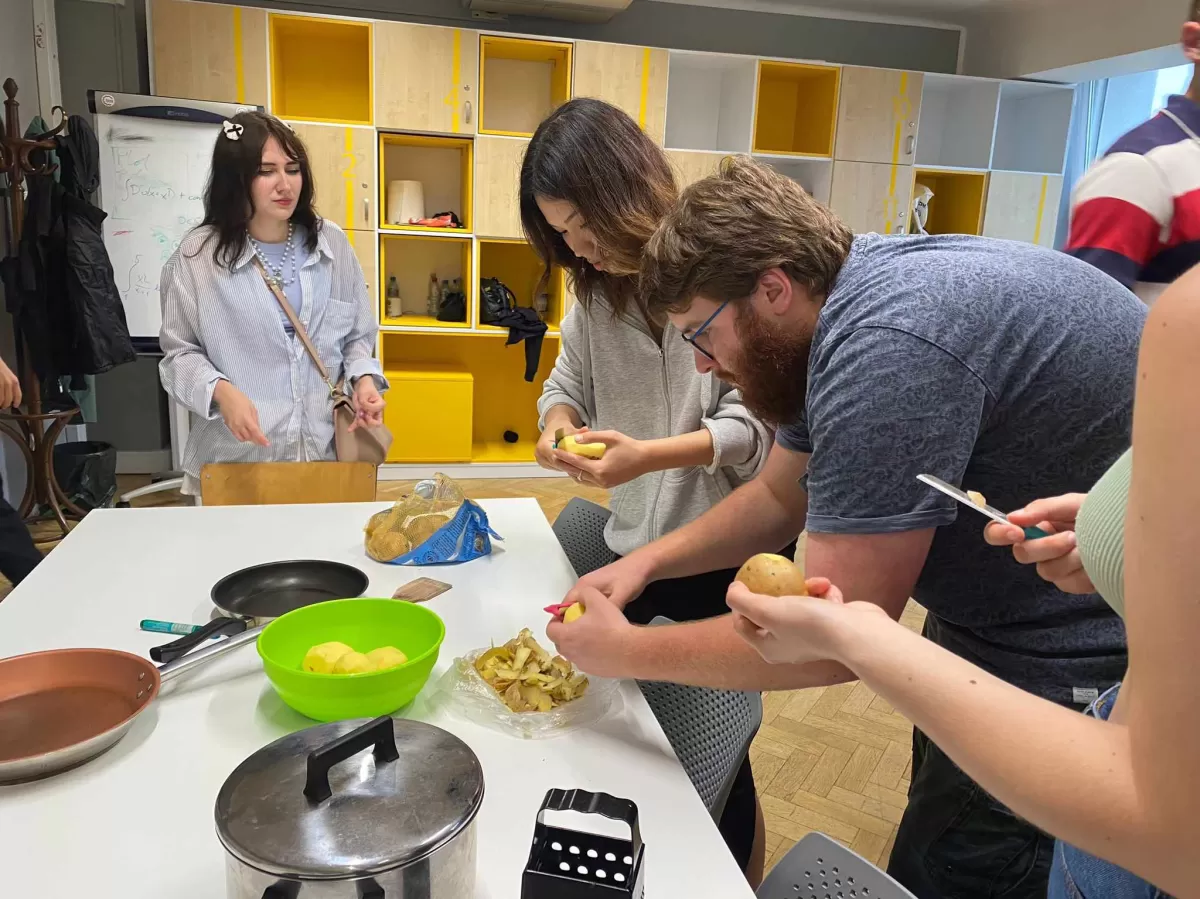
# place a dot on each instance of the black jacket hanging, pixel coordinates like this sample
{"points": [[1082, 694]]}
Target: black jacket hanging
{"points": [[61, 292]]}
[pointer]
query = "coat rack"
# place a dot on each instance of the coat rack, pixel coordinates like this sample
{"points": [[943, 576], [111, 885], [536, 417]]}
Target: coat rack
{"points": [[34, 431]]}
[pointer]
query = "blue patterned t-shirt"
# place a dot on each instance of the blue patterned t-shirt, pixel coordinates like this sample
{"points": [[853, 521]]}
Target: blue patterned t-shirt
{"points": [[1000, 366]]}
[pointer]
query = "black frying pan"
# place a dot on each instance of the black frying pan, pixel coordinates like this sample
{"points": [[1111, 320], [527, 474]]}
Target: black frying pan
{"points": [[255, 595]]}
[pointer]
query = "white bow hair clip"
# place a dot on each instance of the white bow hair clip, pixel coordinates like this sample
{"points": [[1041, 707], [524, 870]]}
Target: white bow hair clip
{"points": [[232, 130]]}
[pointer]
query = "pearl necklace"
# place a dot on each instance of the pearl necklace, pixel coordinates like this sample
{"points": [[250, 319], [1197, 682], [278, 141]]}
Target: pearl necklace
{"points": [[275, 274]]}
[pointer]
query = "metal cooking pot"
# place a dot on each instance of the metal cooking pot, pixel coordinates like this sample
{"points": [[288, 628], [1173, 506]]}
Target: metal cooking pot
{"points": [[311, 817]]}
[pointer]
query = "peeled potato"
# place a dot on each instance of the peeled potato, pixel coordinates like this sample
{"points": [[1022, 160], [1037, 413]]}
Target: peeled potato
{"points": [[324, 656], [353, 663], [772, 575], [573, 613], [386, 657], [587, 450]]}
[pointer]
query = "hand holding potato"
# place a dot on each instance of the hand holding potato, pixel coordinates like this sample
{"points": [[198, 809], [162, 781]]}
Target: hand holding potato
{"points": [[797, 629], [623, 459], [599, 641]]}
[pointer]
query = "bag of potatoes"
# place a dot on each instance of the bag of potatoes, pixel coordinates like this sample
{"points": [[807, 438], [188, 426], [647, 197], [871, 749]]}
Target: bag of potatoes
{"points": [[435, 525]]}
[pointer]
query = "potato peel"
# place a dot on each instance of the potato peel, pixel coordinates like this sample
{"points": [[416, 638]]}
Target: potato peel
{"points": [[529, 679]]}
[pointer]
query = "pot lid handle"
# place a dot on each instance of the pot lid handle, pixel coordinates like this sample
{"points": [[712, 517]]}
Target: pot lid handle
{"points": [[377, 733], [594, 804]]}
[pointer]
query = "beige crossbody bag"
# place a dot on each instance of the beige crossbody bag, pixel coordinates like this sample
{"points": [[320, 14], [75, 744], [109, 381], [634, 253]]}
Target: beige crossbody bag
{"points": [[366, 443]]}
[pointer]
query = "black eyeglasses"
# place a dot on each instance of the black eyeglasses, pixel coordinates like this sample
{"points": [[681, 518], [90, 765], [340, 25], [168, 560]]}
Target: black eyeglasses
{"points": [[694, 337]]}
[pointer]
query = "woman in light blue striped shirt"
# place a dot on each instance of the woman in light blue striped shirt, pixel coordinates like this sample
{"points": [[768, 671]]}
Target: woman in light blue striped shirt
{"points": [[230, 354]]}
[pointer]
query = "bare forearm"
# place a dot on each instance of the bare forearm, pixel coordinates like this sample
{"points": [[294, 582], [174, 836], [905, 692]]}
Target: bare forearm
{"points": [[562, 416], [748, 521], [710, 654], [680, 451], [1041, 760]]}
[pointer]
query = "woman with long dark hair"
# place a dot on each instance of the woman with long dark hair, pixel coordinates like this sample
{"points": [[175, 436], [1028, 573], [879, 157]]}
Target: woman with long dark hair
{"points": [[593, 189], [231, 355]]}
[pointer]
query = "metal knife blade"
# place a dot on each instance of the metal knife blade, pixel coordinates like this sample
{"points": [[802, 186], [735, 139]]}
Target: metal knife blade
{"points": [[993, 513]]}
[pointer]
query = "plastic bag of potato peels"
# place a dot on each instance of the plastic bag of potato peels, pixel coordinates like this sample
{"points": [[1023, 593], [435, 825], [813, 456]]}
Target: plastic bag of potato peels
{"points": [[435, 525], [522, 690]]}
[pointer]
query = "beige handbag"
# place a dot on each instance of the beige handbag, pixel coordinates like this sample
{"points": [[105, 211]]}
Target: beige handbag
{"points": [[366, 443]]}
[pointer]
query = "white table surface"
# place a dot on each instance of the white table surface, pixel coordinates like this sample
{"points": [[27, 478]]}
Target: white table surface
{"points": [[138, 820]]}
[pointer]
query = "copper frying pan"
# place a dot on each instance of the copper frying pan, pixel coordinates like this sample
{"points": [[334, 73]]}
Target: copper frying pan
{"points": [[63, 707]]}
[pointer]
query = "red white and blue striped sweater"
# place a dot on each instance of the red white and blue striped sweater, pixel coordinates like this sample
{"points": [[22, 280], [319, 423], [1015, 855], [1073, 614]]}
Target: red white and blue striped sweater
{"points": [[1136, 212]]}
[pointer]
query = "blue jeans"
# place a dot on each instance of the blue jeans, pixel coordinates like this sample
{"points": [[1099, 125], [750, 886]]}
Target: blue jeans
{"points": [[1077, 875]]}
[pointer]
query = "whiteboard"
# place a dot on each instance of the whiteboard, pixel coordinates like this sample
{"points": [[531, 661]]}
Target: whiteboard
{"points": [[155, 155]]}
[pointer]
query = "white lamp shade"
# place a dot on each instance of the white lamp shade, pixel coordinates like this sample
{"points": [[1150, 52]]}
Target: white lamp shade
{"points": [[405, 202]]}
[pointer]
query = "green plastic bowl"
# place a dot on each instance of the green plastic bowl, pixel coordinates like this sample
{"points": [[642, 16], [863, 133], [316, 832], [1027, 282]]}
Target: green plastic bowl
{"points": [[362, 624]]}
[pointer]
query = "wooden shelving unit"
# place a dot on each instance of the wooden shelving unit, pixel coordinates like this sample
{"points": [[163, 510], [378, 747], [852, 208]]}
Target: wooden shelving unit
{"points": [[443, 165], [453, 108], [521, 82], [516, 264], [958, 200], [321, 69], [796, 109], [412, 259], [502, 400], [710, 102]]}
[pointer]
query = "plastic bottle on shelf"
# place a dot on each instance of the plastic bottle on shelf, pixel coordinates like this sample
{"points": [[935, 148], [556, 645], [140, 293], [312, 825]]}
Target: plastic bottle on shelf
{"points": [[435, 296], [395, 306]]}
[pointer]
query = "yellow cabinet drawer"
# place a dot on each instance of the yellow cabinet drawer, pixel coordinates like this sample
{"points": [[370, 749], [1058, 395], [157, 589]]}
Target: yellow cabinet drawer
{"points": [[429, 413]]}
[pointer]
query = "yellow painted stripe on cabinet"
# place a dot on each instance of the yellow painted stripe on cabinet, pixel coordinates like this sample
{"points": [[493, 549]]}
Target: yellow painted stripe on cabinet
{"points": [[899, 113], [348, 176], [644, 97], [451, 99], [1037, 228], [239, 62]]}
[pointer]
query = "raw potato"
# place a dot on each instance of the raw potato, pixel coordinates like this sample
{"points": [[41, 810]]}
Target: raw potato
{"points": [[421, 527], [573, 613], [772, 575], [353, 663], [386, 657], [322, 657], [527, 678], [587, 450], [976, 497]]}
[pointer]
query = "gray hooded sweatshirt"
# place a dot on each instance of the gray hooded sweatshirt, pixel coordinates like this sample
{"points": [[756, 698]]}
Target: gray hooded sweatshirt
{"points": [[617, 377]]}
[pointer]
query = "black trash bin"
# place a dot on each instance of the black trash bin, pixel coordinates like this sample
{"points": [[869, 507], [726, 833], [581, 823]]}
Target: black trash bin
{"points": [[87, 472]]}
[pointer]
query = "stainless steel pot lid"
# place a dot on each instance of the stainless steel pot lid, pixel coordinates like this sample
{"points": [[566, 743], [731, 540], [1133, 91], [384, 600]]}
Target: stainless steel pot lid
{"points": [[347, 799]]}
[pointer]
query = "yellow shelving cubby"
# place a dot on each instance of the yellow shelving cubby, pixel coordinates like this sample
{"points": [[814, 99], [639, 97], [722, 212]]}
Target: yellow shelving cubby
{"points": [[516, 264], [502, 399], [443, 166], [958, 200], [521, 81], [411, 259], [429, 412], [796, 110], [321, 69]]}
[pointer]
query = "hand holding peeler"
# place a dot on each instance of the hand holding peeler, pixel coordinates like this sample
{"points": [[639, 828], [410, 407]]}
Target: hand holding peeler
{"points": [[937, 483]]}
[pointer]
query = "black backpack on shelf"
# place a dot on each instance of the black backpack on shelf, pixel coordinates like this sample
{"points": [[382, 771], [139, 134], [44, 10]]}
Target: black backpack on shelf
{"points": [[495, 300]]}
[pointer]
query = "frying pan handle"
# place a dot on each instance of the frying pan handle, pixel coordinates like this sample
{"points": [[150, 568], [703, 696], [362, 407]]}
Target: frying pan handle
{"points": [[196, 659], [378, 733], [169, 652]]}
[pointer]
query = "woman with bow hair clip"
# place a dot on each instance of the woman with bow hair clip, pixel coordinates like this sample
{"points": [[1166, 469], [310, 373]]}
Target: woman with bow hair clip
{"points": [[231, 353]]}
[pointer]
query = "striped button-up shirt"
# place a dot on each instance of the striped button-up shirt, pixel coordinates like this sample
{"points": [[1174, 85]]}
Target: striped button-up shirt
{"points": [[221, 324]]}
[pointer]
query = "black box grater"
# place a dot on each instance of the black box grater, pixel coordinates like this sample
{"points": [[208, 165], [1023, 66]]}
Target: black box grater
{"points": [[569, 864]]}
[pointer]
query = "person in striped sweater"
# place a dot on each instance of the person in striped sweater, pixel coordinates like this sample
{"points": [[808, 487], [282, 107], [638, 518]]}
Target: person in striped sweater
{"points": [[1135, 213]]}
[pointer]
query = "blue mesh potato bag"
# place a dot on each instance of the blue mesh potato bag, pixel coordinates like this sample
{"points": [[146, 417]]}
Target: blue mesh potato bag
{"points": [[435, 525]]}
